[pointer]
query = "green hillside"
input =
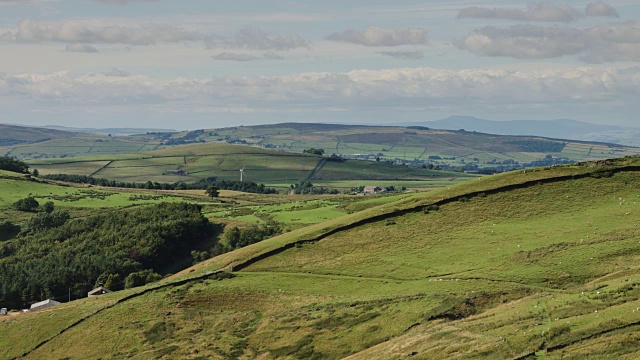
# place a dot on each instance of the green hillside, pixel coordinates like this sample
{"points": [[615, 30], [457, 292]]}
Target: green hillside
{"points": [[446, 148], [40, 143], [414, 146], [520, 265], [13, 135], [190, 163]]}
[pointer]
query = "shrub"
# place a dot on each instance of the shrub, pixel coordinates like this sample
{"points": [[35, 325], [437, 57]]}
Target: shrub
{"points": [[27, 204]]}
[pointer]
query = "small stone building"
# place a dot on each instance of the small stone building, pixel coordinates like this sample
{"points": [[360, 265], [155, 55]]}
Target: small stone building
{"points": [[44, 305], [100, 290]]}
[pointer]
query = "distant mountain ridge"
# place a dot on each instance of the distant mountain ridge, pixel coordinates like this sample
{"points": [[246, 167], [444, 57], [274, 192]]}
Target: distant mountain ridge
{"points": [[107, 131], [559, 128]]}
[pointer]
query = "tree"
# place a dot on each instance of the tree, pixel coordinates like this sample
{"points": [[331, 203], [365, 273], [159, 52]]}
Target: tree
{"points": [[133, 280], [114, 282], [10, 164], [212, 191], [313, 151], [7, 231], [26, 204], [43, 220], [35, 172], [48, 207]]}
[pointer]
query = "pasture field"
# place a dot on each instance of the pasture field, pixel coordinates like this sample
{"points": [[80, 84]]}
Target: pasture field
{"points": [[77, 145], [224, 162], [393, 143], [525, 264]]}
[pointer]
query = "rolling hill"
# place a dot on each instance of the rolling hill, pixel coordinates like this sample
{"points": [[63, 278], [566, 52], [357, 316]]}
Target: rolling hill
{"points": [[417, 145], [520, 265], [49, 143], [189, 163], [14, 135]]}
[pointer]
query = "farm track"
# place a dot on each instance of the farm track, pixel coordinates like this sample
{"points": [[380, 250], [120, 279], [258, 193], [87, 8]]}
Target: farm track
{"points": [[238, 266]]}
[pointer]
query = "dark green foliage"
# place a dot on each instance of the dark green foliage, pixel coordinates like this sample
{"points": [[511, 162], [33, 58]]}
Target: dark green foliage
{"points": [[74, 255], [542, 146], [202, 184], [7, 231], [313, 151], [212, 191], [48, 207], [306, 187], [43, 220], [140, 278], [236, 238], [10, 164], [114, 282], [35, 172], [26, 204]]}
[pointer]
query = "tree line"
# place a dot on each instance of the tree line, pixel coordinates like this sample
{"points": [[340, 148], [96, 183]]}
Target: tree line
{"points": [[11, 164], [54, 256], [202, 184]]}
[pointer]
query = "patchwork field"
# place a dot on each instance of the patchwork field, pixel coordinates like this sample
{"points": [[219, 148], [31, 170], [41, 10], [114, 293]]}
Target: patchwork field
{"points": [[194, 162]]}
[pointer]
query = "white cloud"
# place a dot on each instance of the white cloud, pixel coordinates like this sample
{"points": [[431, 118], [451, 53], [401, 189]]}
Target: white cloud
{"points": [[82, 48], [600, 9], [544, 11], [413, 55], [376, 36], [252, 37], [74, 31], [417, 87], [615, 42]]}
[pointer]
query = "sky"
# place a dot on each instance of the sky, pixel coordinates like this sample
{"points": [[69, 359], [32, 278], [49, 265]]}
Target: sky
{"points": [[189, 64]]}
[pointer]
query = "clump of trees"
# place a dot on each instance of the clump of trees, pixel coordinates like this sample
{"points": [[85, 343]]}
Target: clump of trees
{"points": [[11, 164], [306, 187], [27, 204], [236, 238], [8, 230], [313, 151], [202, 184], [54, 254], [542, 146]]}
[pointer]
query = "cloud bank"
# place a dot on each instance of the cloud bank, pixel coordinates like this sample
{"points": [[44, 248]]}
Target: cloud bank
{"points": [[422, 87], [601, 9], [606, 43], [411, 55], [376, 36], [544, 11], [74, 31]]}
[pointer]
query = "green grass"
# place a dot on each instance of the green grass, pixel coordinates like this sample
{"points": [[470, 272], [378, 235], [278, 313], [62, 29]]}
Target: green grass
{"points": [[548, 268], [224, 163]]}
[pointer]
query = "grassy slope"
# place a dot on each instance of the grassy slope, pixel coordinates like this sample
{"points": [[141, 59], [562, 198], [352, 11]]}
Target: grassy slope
{"points": [[558, 252], [403, 143]]}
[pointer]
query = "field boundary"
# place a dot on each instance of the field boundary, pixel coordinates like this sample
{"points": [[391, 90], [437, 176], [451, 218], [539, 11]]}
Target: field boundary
{"points": [[318, 167]]}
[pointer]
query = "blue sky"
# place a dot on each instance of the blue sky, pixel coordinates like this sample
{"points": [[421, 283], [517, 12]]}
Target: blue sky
{"points": [[202, 64]]}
